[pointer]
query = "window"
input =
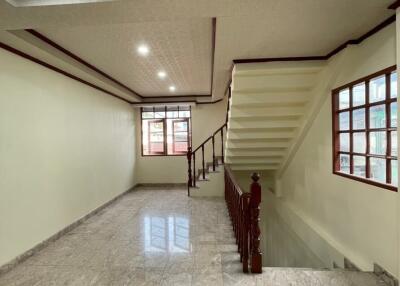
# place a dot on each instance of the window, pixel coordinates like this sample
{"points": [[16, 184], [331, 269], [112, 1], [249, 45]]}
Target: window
{"points": [[166, 130], [365, 129]]}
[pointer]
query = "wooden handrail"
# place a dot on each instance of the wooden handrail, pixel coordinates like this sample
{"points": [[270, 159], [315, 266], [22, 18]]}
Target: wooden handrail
{"points": [[244, 210]]}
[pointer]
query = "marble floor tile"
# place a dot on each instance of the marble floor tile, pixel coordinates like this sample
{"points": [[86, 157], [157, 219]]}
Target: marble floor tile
{"points": [[155, 236]]}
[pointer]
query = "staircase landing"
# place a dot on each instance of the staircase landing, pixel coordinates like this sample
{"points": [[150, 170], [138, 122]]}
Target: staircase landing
{"points": [[159, 236]]}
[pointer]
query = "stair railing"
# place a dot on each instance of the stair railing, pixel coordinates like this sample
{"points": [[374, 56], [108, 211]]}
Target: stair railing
{"points": [[191, 157], [244, 210]]}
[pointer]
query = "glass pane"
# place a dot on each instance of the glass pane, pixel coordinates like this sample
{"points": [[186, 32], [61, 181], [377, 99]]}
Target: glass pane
{"points": [[377, 142], [377, 117], [344, 121], [344, 99], [359, 118], [172, 114], [148, 115], [180, 147], [181, 137], [359, 94], [180, 126], [359, 166], [378, 169], [393, 142], [184, 114], [377, 89], [344, 163], [345, 142], [156, 126], [156, 148], [359, 142], [393, 114], [156, 137], [393, 85], [159, 114], [395, 179]]}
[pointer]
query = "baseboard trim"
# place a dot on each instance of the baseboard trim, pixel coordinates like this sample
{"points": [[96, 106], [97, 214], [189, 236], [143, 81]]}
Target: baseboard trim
{"points": [[22, 257], [385, 275]]}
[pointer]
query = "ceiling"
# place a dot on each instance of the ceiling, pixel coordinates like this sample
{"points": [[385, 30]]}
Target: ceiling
{"points": [[179, 34]]}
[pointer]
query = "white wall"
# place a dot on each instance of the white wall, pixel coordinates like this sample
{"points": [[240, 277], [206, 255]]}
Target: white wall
{"points": [[335, 214], [65, 149], [206, 118]]}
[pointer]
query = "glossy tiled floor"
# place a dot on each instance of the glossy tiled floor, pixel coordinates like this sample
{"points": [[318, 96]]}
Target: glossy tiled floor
{"points": [[156, 237]]}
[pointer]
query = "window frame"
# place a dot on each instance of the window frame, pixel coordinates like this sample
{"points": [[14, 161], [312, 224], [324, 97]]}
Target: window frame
{"points": [[367, 130], [189, 119]]}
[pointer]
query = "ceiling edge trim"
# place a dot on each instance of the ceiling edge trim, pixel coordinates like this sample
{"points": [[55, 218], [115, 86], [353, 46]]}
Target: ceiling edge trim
{"points": [[394, 5], [357, 41], [80, 60], [58, 70]]}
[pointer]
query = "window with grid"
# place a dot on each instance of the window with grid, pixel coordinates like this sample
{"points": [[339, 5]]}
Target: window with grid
{"points": [[365, 129], [166, 130]]}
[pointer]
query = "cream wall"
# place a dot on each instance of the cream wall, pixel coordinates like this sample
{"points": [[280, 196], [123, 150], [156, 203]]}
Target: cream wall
{"points": [[206, 118], [65, 149], [336, 215]]}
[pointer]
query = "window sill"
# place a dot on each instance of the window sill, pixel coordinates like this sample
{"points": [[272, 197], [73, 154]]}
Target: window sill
{"points": [[367, 181]]}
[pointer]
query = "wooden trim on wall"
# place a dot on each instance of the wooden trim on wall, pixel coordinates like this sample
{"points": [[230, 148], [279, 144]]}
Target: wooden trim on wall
{"points": [[58, 70], [394, 5], [79, 59], [357, 41]]}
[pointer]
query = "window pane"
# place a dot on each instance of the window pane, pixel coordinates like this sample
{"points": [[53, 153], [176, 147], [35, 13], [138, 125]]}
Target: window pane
{"points": [[181, 136], [156, 127], [359, 166], [378, 169], [345, 142], [156, 148], [344, 99], [377, 141], [359, 118], [377, 89], [156, 137], [359, 94], [184, 114], [359, 142], [159, 114], [147, 114], [172, 114], [394, 142], [344, 121], [393, 114], [394, 172], [377, 117], [180, 126], [344, 163], [393, 85]]}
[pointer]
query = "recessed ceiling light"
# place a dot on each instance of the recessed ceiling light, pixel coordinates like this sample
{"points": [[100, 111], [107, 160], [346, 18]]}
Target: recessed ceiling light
{"points": [[162, 74], [143, 50], [172, 88]]}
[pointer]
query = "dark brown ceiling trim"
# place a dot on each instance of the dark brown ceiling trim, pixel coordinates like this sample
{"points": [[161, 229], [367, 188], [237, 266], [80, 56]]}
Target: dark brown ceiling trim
{"points": [[286, 59], [394, 5], [177, 96], [177, 102], [357, 41], [79, 59], [53, 68], [209, 102], [213, 38]]}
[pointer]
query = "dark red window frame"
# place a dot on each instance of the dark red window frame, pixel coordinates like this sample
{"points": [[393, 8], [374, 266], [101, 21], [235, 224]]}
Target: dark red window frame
{"points": [[164, 120], [366, 106]]}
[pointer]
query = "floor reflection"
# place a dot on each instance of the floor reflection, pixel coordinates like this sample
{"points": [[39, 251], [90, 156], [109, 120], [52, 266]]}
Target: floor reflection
{"points": [[167, 234]]}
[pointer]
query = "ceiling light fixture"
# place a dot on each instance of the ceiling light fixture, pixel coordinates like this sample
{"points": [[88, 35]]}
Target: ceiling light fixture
{"points": [[172, 88], [143, 50], [162, 74]]}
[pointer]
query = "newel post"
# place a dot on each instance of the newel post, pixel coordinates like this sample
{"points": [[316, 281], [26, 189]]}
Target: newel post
{"points": [[189, 158], [254, 206]]}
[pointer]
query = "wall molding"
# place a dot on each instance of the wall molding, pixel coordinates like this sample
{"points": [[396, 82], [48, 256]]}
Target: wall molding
{"points": [[24, 256]]}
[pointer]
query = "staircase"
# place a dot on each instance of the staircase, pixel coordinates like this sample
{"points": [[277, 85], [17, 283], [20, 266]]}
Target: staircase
{"points": [[268, 106]]}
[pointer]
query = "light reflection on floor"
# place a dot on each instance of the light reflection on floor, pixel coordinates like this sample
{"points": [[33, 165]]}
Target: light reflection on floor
{"points": [[167, 234]]}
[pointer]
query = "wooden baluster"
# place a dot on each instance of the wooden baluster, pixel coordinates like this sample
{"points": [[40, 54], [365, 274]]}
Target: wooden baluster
{"points": [[222, 145], [189, 158], [204, 165], [254, 205], [194, 169], [213, 146]]}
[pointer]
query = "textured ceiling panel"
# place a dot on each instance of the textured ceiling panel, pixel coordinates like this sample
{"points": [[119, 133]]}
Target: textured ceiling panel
{"points": [[181, 48]]}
